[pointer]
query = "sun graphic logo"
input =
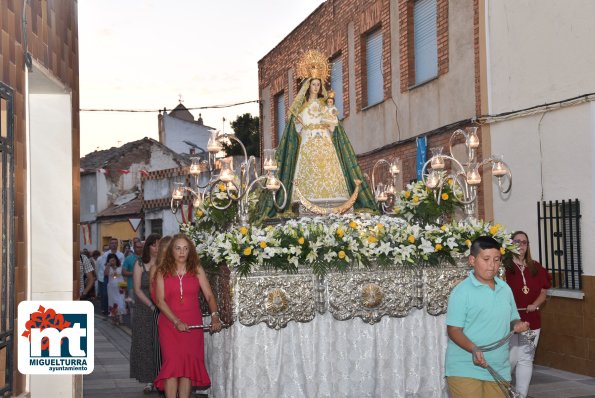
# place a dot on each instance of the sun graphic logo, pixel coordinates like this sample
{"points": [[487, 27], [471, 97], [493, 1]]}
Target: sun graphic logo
{"points": [[56, 337]]}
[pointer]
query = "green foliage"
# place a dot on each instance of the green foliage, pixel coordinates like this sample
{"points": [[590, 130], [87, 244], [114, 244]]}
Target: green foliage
{"points": [[246, 128]]}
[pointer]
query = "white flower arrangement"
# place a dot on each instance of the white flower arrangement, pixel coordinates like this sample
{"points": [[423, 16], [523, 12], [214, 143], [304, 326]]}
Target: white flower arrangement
{"points": [[338, 242]]}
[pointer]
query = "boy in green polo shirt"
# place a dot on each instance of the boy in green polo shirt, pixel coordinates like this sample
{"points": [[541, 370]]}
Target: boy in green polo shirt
{"points": [[481, 311]]}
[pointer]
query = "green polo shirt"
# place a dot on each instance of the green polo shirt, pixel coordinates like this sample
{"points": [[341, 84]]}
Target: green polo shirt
{"points": [[485, 316]]}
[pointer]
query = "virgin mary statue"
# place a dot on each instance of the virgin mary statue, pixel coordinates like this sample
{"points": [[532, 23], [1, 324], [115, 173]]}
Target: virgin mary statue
{"points": [[316, 160]]}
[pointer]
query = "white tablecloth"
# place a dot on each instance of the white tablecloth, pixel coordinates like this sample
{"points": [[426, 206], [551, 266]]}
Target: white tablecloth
{"points": [[397, 357]]}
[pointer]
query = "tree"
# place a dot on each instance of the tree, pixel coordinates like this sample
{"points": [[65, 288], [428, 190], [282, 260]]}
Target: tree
{"points": [[246, 128]]}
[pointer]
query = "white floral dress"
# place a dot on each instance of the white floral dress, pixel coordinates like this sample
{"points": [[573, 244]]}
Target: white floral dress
{"points": [[318, 171]]}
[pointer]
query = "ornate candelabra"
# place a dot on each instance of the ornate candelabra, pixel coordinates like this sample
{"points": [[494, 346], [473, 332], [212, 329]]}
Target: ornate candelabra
{"points": [[385, 192], [236, 187], [465, 177]]}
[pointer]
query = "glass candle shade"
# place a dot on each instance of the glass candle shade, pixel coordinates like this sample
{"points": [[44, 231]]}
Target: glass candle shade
{"points": [[273, 183], [227, 173], [437, 161], [380, 193], [270, 163], [472, 175], [195, 166], [394, 167], [498, 167], [178, 193], [213, 145], [472, 138]]}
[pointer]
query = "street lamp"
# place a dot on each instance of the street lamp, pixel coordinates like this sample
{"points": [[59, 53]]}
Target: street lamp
{"points": [[237, 188], [465, 177]]}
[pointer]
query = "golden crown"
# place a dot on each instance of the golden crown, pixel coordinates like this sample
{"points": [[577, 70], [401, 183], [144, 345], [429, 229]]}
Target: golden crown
{"points": [[313, 65], [331, 94]]}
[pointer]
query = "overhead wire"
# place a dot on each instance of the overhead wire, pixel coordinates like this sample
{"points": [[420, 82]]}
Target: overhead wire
{"points": [[161, 110]]}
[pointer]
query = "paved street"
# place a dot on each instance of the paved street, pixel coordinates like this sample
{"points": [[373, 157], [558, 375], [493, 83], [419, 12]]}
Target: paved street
{"points": [[112, 347]]}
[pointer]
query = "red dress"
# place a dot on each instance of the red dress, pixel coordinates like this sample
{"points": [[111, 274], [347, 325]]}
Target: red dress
{"points": [[182, 352], [535, 284]]}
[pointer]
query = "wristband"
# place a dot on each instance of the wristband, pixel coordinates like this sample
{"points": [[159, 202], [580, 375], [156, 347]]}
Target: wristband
{"points": [[216, 313], [176, 323]]}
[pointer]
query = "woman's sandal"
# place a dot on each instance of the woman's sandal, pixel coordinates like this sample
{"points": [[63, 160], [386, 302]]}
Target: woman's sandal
{"points": [[148, 388]]}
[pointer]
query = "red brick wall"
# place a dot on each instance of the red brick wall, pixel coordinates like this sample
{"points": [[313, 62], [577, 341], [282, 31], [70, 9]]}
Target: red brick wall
{"points": [[407, 151]]}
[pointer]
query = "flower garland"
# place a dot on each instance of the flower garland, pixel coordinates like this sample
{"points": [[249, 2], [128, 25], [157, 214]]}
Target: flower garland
{"points": [[337, 242]]}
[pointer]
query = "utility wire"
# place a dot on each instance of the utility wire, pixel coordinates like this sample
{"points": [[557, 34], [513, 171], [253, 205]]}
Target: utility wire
{"points": [[160, 110]]}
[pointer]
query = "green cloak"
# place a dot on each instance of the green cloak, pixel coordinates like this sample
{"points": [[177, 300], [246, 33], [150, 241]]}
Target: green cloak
{"points": [[287, 154]]}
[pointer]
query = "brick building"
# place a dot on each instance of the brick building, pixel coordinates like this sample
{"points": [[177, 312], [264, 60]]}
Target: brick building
{"points": [[387, 97], [404, 69]]}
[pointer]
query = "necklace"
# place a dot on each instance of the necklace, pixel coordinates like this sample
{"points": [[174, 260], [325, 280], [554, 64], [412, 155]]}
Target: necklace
{"points": [[525, 288], [180, 277]]}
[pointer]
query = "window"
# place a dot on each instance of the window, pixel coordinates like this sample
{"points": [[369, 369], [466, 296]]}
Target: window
{"points": [[425, 40], [157, 226], [7, 252], [337, 83], [279, 115], [374, 77], [560, 242]]}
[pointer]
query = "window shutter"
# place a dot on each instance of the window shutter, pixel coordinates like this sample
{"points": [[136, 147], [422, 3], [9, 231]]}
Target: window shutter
{"points": [[337, 84], [280, 115], [425, 40], [374, 76]]}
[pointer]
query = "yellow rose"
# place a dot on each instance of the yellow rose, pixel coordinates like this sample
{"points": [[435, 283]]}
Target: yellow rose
{"points": [[247, 251], [341, 254], [372, 239], [221, 187], [443, 228], [407, 194], [502, 251], [450, 181], [262, 244], [444, 196], [468, 242], [380, 226], [243, 230], [301, 240], [411, 239], [415, 199], [199, 213], [353, 225], [494, 229], [438, 247], [340, 232]]}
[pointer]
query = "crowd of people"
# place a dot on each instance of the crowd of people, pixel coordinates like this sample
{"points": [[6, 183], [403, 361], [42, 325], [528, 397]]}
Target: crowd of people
{"points": [[485, 311], [161, 280], [158, 284]]}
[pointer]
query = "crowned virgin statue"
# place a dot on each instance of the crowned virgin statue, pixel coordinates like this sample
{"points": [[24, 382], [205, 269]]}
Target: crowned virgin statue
{"points": [[316, 160]]}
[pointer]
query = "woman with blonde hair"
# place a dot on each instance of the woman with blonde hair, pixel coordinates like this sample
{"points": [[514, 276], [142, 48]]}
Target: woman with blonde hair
{"points": [[180, 279]]}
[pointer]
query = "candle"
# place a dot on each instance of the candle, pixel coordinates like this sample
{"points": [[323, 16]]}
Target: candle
{"points": [[437, 162], [472, 139], [473, 177], [178, 193], [273, 183], [270, 165]]}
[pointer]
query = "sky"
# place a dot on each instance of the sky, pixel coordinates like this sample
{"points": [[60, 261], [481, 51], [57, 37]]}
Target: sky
{"points": [[147, 54]]}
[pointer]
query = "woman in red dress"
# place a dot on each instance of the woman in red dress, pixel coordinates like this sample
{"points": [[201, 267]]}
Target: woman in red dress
{"points": [[529, 282], [179, 280]]}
